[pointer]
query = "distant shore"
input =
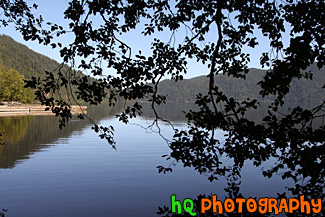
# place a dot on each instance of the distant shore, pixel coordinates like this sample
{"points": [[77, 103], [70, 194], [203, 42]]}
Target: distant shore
{"points": [[8, 110]]}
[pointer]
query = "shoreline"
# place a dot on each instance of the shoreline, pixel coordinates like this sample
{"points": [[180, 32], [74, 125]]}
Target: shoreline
{"points": [[34, 110]]}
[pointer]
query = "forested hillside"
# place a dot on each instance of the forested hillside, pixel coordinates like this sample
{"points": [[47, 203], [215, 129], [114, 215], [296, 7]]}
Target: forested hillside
{"points": [[301, 91], [29, 63], [21, 58]]}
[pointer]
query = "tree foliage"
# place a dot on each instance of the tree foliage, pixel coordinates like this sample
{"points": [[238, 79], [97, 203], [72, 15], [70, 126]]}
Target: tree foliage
{"points": [[31, 64], [291, 138], [12, 87]]}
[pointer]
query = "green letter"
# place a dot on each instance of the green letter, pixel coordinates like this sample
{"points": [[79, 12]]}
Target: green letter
{"points": [[190, 208], [176, 203]]}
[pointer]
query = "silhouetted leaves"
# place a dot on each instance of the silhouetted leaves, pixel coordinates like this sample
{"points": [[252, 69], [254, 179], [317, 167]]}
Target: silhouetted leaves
{"points": [[2, 213], [291, 138]]}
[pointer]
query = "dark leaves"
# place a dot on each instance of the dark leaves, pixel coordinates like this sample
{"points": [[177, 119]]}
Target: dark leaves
{"points": [[291, 138]]}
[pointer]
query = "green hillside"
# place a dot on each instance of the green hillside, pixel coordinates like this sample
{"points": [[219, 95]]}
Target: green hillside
{"points": [[301, 90], [21, 58], [29, 63]]}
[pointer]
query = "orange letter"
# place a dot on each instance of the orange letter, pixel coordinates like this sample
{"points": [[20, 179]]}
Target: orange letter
{"points": [[229, 205], [251, 205], [203, 207], [273, 205], [304, 203], [316, 205], [240, 202], [283, 205], [262, 202], [217, 203], [291, 207]]}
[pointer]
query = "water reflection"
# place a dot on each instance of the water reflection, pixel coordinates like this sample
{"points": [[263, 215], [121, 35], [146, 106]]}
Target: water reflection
{"points": [[25, 135], [86, 178], [174, 111], [311, 187], [81, 175], [14, 129]]}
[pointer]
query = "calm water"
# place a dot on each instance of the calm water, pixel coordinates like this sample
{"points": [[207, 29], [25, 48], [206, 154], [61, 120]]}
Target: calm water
{"points": [[48, 172]]}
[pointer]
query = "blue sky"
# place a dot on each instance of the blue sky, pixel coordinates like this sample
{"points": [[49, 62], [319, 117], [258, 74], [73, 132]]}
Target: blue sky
{"points": [[53, 11]]}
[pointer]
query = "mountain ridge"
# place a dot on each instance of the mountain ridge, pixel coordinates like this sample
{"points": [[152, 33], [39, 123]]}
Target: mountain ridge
{"points": [[23, 59], [240, 89], [30, 63]]}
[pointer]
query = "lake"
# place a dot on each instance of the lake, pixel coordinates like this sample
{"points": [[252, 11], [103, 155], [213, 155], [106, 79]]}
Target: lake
{"points": [[45, 171]]}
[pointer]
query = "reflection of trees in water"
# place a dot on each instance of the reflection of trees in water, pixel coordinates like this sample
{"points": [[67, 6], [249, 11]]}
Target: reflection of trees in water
{"points": [[44, 130], [25, 135], [40, 130], [14, 128], [174, 111], [101, 111], [1, 149]]}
